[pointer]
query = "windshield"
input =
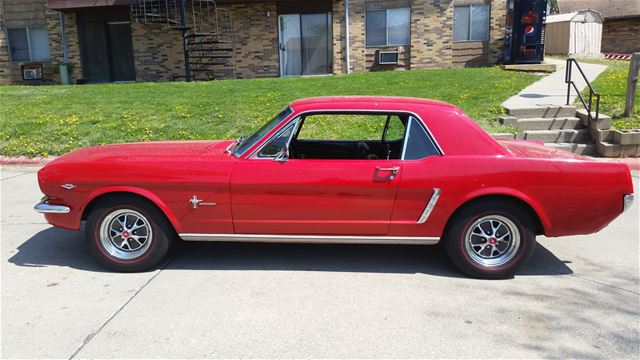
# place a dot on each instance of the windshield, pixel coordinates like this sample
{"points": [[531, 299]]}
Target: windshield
{"points": [[246, 143]]}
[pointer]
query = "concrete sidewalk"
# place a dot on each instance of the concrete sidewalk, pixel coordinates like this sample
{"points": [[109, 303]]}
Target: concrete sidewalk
{"points": [[551, 90]]}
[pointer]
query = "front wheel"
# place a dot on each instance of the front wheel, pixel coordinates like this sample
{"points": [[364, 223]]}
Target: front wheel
{"points": [[491, 240], [128, 234]]}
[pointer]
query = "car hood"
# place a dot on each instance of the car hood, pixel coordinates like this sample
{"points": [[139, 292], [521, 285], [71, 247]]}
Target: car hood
{"points": [[153, 150], [536, 149]]}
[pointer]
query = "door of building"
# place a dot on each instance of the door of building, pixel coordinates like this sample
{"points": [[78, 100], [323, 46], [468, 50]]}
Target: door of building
{"points": [[305, 44], [121, 51], [106, 49]]}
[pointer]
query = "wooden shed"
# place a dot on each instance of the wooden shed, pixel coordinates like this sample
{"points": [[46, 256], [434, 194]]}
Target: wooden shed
{"points": [[578, 32]]}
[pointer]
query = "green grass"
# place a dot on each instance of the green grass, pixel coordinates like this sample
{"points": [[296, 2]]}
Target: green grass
{"points": [[612, 86], [52, 120]]}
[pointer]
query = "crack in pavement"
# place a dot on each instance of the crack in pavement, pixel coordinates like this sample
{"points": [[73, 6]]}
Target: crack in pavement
{"points": [[91, 335], [15, 176], [584, 279]]}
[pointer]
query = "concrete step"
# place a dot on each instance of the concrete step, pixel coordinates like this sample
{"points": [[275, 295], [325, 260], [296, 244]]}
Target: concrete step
{"points": [[543, 112], [556, 136], [503, 135], [604, 121], [610, 149], [549, 124], [576, 148]]}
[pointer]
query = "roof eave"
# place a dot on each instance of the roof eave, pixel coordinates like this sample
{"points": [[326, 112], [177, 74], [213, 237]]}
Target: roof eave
{"points": [[77, 4]]}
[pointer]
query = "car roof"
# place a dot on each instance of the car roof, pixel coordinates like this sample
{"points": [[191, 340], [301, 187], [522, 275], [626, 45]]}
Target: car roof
{"points": [[357, 102]]}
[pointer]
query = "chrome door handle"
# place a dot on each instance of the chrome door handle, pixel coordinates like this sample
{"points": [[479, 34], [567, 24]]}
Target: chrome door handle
{"points": [[395, 170]]}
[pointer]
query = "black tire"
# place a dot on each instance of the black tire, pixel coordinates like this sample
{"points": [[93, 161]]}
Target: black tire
{"points": [[146, 249], [478, 255]]}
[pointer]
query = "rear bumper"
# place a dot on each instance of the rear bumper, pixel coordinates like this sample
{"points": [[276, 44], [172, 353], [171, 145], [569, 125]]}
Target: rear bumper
{"points": [[627, 201], [44, 207]]}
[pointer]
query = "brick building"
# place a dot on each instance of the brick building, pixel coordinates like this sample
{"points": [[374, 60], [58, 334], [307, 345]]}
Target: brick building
{"points": [[142, 40]]}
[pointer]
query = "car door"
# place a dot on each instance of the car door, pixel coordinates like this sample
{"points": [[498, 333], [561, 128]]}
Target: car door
{"points": [[273, 193], [427, 182]]}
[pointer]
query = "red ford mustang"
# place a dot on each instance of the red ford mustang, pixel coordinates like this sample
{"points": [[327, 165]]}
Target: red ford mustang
{"points": [[374, 170]]}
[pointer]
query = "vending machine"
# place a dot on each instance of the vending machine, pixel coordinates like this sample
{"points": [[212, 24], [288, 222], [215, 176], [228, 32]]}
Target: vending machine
{"points": [[524, 33]]}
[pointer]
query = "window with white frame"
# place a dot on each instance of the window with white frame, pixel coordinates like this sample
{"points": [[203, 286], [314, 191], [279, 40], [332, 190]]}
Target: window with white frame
{"points": [[388, 27], [28, 44], [471, 22]]}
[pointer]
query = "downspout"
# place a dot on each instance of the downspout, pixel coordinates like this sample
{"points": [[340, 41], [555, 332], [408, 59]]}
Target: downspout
{"points": [[346, 35], [63, 39], [64, 69], [182, 10]]}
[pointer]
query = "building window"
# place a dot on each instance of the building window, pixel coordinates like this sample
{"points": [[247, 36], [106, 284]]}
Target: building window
{"points": [[471, 23], [388, 27], [28, 44]]}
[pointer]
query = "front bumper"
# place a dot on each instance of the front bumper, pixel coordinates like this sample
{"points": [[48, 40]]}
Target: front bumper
{"points": [[44, 207], [627, 201]]}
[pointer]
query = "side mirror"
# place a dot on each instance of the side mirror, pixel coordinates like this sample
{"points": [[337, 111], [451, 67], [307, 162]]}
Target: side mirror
{"points": [[283, 155]]}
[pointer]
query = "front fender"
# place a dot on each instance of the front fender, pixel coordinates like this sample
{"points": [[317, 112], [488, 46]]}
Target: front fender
{"points": [[138, 191]]}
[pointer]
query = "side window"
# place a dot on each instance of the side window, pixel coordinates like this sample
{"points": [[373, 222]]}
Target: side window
{"points": [[339, 127], [351, 136], [395, 129], [419, 145], [278, 143]]}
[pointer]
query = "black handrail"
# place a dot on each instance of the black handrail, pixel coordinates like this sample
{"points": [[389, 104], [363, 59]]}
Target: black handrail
{"points": [[592, 93]]}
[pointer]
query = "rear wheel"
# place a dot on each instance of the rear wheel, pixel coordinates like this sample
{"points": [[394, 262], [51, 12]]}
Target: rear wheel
{"points": [[491, 239], [128, 234]]}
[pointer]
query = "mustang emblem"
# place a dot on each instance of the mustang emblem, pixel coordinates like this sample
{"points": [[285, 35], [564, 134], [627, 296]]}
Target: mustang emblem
{"points": [[195, 202], [67, 186]]}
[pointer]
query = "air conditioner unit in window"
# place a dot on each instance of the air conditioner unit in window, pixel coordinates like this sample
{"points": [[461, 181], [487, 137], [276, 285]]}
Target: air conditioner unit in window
{"points": [[388, 57], [32, 72]]}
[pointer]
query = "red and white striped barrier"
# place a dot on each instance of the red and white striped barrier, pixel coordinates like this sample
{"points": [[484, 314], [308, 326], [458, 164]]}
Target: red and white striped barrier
{"points": [[613, 56]]}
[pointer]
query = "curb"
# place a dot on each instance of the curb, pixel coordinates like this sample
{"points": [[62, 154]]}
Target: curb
{"points": [[23, 160]]}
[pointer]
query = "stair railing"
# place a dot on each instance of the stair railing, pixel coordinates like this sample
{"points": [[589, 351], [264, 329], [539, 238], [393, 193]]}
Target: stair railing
{"points": [[568, 80]]}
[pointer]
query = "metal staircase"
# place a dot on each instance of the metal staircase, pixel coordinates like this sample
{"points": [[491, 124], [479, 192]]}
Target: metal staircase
{"points": [[207, 31]]}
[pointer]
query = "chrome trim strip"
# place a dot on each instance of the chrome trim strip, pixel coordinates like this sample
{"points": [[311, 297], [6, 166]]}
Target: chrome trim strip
{"points": [[405, 141], [627, 201], [430, 205], [312, 239], [44, 208], [295, 115], [228, 149]]}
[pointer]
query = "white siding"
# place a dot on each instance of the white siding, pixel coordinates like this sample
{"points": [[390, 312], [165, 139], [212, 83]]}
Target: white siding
{"points": [[574, 33], [557, 37], [585, 38]]}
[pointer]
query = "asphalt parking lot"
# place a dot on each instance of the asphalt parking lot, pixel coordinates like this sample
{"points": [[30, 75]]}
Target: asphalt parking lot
{"points": [[578, 297]]}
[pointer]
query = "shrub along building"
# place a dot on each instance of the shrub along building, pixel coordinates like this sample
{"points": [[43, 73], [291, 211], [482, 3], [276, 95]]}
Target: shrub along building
{"points": [[161, 40]]}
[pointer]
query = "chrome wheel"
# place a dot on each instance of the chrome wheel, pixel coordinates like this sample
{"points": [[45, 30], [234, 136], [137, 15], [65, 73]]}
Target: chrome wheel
{"points": [[492, 241], [125, 234]]}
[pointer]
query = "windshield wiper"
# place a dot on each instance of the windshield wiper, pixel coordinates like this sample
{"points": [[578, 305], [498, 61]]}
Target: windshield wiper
{"points": [[235, 142]]}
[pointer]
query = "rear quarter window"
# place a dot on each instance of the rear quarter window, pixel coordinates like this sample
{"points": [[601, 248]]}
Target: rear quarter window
{"points": [[419, 144]]}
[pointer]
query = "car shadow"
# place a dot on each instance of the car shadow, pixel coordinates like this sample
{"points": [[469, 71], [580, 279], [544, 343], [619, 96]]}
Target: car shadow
{"points": [[58, 247]]}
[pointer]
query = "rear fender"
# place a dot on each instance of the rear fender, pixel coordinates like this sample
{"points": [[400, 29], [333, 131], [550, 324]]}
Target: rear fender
{"points": [[505, 191]]}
